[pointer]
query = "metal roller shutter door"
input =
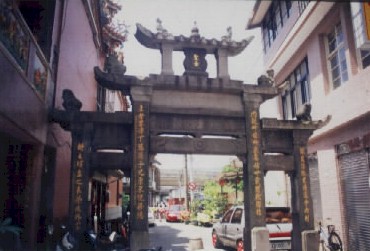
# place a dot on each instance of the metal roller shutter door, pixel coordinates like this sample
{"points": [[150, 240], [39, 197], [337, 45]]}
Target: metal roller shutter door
{"points": [[355, 180]]}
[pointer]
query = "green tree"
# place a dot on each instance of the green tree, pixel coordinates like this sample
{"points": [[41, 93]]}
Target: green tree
{"points": [[214, 202], [231, 169]]}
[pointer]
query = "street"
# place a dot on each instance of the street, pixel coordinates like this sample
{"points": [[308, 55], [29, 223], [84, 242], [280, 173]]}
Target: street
{"points": [[176, 236]]}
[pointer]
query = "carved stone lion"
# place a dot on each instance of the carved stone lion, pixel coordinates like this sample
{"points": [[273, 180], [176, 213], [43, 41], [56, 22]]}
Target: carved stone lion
{"points": [[112, 65], [70, 102], [266, 80], [304, 114]]}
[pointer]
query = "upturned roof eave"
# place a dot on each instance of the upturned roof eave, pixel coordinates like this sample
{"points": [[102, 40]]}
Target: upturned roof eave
{"points": [[155, 41]]}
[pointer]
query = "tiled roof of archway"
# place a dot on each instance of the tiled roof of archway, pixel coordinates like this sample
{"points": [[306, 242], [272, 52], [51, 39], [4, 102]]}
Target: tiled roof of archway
{"points": [[155, 41]]}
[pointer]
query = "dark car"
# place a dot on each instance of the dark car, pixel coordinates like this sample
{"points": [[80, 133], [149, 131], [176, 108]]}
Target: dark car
{"points": [[174, 213], [229, 231]]}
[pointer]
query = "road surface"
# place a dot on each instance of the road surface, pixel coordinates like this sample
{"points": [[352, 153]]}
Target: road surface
{"points": [[176, 236]]}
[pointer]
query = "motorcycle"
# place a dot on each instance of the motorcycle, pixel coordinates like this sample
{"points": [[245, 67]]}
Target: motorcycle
{"points": [[113, 241], [67, 241]]}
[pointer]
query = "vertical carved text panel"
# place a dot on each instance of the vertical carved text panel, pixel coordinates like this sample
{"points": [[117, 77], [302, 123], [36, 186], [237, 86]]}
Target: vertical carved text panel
{"points": [[256, 160], [78, 187], [140, 170], [305, 185]]}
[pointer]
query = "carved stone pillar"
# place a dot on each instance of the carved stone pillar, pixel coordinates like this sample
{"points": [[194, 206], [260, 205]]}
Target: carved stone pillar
{"points": [[166, 51], [302, 209], [78, 204], [222, 64], [255, 230], [141, 96]]}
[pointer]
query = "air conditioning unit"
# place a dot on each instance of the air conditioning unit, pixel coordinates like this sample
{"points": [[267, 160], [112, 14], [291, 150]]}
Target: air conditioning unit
{"points": [[361, 24]]}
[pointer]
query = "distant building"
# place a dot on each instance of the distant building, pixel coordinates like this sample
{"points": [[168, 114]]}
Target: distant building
{"points": [[46, 47], [320, 51]]}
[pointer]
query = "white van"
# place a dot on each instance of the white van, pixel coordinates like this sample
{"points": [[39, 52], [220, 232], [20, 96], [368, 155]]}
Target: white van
{"points": [[228, 232]]}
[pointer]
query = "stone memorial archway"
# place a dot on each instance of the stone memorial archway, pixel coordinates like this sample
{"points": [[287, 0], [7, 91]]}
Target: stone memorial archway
{"points": [[194, 104]]}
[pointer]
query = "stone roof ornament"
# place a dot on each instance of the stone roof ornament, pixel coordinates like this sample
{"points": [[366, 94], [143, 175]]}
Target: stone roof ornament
{"points": [[70, 102], [266, 79], [159, 26], [229, 34], [304, 113], [162, 33], [195, 48], [304, 116], [113, 65], [195, 31]]}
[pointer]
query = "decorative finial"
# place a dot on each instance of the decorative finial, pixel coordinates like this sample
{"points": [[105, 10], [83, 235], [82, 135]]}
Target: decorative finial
{"points": [[159, 25], [195, 30], [229, 32]]}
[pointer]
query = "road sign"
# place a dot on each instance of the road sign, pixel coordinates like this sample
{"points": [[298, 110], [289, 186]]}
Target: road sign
{"points": [[192, 186]]}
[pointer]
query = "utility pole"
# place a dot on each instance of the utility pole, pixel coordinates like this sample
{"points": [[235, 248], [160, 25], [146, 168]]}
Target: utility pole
{"points": [[186, 183]]}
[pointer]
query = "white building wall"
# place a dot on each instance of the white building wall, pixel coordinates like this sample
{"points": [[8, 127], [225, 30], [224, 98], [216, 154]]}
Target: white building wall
{"points": [[329, 184], [78, 56], [345, 104]]}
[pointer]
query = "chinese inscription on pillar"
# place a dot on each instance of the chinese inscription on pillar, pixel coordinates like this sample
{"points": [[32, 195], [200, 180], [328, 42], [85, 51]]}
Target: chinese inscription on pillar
{"points": [[140, 154], [78, 182], [256, 163], [304, 182]]}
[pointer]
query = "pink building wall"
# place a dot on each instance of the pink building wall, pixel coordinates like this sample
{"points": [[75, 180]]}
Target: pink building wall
{"points": [[348, 105], [78, 57]]}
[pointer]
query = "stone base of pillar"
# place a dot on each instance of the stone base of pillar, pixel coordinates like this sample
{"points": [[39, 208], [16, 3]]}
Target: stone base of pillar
{"points": [[139, 240], [310, 240], [260, 239], [167, 72]]}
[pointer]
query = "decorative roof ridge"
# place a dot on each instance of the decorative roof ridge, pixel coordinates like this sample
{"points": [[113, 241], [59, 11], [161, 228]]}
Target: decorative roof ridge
{"points": [[154, 40], [113, 34], [112, 4]]}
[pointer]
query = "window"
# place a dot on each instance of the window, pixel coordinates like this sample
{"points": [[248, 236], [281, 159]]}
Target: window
{"points": [[237, 216], [274, 20], [302, 5], [365, 58], [227, 216], [105, 100], [39, 16], [100, 99], [297, 91], [336, 56]]}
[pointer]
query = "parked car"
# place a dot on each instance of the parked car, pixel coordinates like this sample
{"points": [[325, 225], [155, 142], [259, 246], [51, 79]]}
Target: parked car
{"points": [[229, 231], [174, 213], [204, 219]]}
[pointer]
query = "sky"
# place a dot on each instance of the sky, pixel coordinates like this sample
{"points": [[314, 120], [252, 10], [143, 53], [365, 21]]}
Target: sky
{"points": [[178, 16]]}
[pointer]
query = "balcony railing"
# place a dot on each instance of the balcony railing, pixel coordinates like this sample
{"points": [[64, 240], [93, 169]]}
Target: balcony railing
{"points": [[21, 47]]}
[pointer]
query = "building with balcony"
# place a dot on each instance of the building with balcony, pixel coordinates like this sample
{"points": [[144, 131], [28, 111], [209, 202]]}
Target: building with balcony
{"points": [[46, 47], [319, 51]]}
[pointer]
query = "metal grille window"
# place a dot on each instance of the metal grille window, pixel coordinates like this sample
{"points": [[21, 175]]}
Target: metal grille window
{"points": [[336, 56], [100, 99], [298, 90], [302, 5], [274, 20]]}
